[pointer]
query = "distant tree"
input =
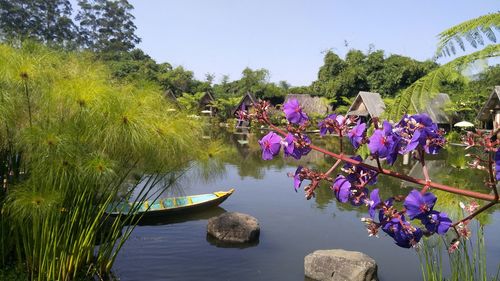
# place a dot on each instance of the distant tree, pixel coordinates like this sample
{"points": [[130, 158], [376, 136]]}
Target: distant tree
{"points": [[136, 65], [14, 18], [468, 98], [340, 80], [284, 85], [354, 58], [300, 90], [107, 26], [209, 77], [224, 80], [87, 17], [395, 73], [47, 21], [332, 66], [56, 25], [253, 81], [374, 60], [178, 80], [484, 83]]}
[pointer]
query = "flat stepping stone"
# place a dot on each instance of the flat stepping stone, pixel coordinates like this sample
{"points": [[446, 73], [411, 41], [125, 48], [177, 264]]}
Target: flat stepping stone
{"points": [[340, 265]]}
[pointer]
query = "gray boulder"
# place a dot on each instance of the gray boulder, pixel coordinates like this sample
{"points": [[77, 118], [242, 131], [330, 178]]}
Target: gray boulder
{"points": [[340, 265], [234, 228]]}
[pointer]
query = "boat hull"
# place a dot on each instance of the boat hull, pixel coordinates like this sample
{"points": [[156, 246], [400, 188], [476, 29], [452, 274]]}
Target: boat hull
{"points": [[193, 207]]}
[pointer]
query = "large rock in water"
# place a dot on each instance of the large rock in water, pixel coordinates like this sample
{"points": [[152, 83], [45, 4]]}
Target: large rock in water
{"points": [[234, 227], [340, 265]]}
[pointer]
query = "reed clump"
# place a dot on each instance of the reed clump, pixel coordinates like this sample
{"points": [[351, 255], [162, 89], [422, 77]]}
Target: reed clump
{"points": [[73, 141]]}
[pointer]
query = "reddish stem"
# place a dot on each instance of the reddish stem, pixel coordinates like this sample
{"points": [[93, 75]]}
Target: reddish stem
{"points": [[333, 167], [477, 212], [422, 182]]}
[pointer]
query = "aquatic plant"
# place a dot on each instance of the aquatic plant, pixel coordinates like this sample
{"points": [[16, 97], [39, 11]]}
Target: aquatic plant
{"points": [[73, 141], [466, 258], [416, 135]]}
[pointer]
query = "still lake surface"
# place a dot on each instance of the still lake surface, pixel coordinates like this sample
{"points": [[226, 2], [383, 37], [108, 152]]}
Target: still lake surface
{"points": [[291, 227]]}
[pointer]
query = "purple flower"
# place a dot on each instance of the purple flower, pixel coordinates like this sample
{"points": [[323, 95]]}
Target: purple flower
{"points": [[407, 236], [358, 197], [412, 143], [340, 120], [327, 125], [385, 213], [437, 222], [289, 146], [385, 143], [297, 181], [296, 151], [392, 226], [332, 123], [356, 134], [373, 202], [404, 234], [293, 112], [419, 130], [342, 188], [497, 164], [423, 119], [359, 175], [270, 145], [418, 205]]}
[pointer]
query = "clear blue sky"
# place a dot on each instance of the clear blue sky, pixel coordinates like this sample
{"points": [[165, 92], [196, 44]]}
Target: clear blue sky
{"points": [[287, 37]]}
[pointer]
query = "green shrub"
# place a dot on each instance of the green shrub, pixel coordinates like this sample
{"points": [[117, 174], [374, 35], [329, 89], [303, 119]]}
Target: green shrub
{"points": [[76, 136]]}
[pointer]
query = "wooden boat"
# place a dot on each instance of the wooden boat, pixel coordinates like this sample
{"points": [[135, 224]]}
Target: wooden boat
{"points": [[171, 206]]}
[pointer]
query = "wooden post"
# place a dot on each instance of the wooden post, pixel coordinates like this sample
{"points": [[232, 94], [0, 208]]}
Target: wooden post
{"points": [[496, 120], [406, 159]]}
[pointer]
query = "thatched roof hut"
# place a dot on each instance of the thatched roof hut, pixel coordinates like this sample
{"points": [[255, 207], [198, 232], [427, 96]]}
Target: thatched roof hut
{"points": [[489, 115], [310, 105], [246, 102], [367, 105], [435, 109], [170, 97], [205, 104], [206, 99]]}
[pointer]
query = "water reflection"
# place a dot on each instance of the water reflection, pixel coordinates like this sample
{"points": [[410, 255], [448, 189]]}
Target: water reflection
{"points": [[447, 167], [221, 244], [181, 218], [291, 227]]}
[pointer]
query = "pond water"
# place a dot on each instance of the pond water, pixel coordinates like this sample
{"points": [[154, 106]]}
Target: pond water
{"points": [[291, 227]]}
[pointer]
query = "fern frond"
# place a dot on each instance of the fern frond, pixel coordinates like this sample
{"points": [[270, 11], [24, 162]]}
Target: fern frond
{"points": [[416, 95], [474, 31]]}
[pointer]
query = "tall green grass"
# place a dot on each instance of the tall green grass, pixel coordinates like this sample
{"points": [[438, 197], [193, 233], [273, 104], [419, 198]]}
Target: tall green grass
{"points": [[72, 142], [467, 263]]}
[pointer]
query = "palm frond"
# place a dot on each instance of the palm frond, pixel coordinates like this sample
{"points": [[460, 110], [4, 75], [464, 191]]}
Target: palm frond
{"points": [[473, 31]]}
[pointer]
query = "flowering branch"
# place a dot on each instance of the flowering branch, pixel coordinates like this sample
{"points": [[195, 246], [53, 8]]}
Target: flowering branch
{"points": [[412, 133]]}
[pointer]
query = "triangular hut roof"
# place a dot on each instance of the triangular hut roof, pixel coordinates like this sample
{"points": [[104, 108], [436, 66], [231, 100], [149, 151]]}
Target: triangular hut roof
{"points": [[492, 103], [367, 104], [310, 105], [206, 99], [247, 99], [170, 96], [435, 109]]}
